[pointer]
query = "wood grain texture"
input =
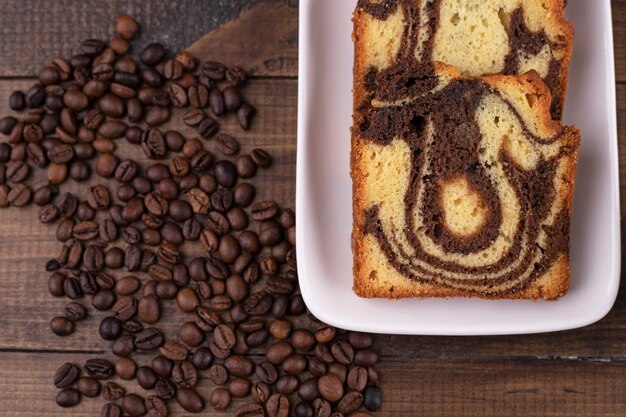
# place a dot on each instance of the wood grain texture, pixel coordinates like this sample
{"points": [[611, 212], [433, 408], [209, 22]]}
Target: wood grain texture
{"points": [[412, 389], [35, 31], [566, 374], [247, 41]]}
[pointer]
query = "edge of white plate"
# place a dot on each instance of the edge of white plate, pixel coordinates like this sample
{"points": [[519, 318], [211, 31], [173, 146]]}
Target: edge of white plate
{"points": [[302, 165]]}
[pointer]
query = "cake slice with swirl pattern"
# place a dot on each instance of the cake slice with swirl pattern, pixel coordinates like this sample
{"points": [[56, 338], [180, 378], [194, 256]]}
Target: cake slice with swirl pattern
{"points": [[462, 185], [476, 36]]}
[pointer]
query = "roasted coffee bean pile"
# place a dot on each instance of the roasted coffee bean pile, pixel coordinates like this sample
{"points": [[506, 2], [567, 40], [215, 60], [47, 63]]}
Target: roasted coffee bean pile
{"points": [[122, 241]]}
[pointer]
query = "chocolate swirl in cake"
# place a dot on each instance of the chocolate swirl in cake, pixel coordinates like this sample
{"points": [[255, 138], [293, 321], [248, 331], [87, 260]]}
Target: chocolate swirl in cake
{"points": [[504, 246]]}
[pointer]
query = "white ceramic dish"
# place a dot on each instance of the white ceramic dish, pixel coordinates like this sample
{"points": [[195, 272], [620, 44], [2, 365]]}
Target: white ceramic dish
{"points": [[324, 193]]}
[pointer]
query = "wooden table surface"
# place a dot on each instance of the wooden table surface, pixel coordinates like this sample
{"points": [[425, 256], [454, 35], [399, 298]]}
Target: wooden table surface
{"points": [[574, 373]]}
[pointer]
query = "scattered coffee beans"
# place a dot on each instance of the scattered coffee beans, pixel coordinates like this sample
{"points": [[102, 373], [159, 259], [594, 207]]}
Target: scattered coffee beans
{"points": [[130, 243]]}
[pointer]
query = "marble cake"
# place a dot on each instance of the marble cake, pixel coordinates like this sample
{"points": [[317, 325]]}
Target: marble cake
{"points": [[476, 36], [462, 186]]}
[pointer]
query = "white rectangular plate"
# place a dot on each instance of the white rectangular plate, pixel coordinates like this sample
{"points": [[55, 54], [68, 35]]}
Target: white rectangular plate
{"points": [[324, 191]]}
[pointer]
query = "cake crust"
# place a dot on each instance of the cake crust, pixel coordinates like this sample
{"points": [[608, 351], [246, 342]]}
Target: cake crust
{"points": [[384, 85]]}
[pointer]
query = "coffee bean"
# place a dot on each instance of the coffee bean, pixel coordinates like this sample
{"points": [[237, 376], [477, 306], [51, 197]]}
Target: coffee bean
{"points": [[218, 374], [162, 366], [308, 390], [239, 366], [189, 400], [208, 127], [214, 70], [88, 283], [216, 102], [232, 98], [277, 406], [222, 200], [110, 328], [126, 26], [17, 171], [372, 398], [250, 410], [61, 326], [56, 283], [202, 358], [202, 160], [148, 309], [220, 399], [66, 375], [110, 410], [341, 371], [99, 368], [178, 95], [165, 389], [133, 405], [287, 384], [48, 213], [93, 258], [198, 96], [304, 410], [35, 96], [154, 97], [223, 337], [264, 210], [152, 54], [207, 319], [302, 340], [17, 101], [278, 352], [146, 377], [89, 387], [75, 311], [330, 387], [68, 397], [125, 368], [193, 117], [246, 168], [153, 144], [226, 144], [75, 100], [106, 165], [35, 154], [239, 387], [157, 115], [112, 129], [343, 352], [366, 357], [261, 158], [180, 210], [173, 351], [149, 339], [113, 391], [155, 406], [151, 77], [111, 105], [103, 300], [184, 375], [245, 113], [199, 201], [7, 124], [357, 378]]}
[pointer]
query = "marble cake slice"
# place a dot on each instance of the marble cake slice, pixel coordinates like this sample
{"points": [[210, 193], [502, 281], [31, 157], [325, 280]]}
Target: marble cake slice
{"points": [[478, 37], [462, 186]]}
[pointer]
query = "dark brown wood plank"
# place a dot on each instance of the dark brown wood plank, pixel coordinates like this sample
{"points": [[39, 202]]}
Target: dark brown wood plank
{"points": [[411, 388], [619, 37], [249, 42], [26, 307], [33, 31]]}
